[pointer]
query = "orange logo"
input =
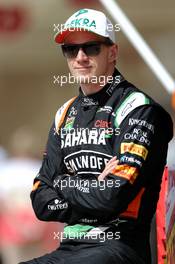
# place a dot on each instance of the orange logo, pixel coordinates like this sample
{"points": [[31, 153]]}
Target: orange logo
{"points": [[134, 149], [127, 172]]}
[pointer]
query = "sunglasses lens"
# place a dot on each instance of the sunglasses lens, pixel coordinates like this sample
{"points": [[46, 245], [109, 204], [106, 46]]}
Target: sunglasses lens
{"points": [[70, 51], [92, 48]]}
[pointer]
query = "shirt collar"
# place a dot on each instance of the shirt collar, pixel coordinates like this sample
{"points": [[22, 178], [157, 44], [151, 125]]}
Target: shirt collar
{"points": [[104, 94]]}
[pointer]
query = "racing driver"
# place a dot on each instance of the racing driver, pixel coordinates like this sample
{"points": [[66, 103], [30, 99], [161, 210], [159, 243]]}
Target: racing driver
{"points": [[105, 155]]}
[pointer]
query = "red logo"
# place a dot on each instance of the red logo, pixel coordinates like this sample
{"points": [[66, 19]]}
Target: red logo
{"points": [[102, 124]]}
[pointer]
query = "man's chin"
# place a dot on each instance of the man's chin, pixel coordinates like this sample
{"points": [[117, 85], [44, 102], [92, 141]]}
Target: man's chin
{"points": [[83, 79]]}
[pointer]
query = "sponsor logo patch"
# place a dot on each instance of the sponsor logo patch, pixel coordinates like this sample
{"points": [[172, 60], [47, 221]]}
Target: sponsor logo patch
{"points": [[134, 149], [102, 124], [132, 160], [69, 122], [139, 135], [107, 109], [140, 122], [81, 12], [57, 205], [127, 172], [81, 22], [82, 136], [86, 161], [73, 111]]}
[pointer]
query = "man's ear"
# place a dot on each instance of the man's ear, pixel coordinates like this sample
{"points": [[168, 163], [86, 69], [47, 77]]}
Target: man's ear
{"points": [[113, 53]]}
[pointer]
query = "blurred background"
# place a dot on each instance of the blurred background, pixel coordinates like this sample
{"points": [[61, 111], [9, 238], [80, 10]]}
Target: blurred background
{"points": [[29, 99]]}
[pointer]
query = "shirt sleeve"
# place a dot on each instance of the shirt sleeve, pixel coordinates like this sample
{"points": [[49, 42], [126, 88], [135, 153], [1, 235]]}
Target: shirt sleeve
{"points": [[141, 148]]}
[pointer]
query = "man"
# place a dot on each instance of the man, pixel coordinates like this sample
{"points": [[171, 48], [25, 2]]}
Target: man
{"points": [[105, 155]]}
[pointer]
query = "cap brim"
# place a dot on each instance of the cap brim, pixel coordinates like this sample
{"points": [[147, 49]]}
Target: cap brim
{"points": [[60, 36]]}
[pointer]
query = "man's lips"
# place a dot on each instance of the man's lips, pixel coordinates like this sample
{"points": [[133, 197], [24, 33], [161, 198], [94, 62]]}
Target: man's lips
{"points": [[83, 68]]}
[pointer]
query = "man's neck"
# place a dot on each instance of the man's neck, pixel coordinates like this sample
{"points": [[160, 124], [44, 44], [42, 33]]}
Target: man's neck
{"points": [[91, 88]]}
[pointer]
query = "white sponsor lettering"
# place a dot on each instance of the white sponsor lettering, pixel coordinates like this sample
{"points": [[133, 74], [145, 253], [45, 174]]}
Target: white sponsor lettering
{"points": [[138, 135], [81, 137], [131, 160], [86, 162], [140, 122], [86, 220], [58, 205], [106, 108]]}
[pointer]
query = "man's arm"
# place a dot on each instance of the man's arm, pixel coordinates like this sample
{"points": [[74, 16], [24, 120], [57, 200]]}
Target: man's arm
{"points": [[145, 133], [47, 203]]}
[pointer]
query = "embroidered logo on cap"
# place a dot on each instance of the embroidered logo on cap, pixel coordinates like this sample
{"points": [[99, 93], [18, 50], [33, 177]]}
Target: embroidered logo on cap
{"points": [[81, 11]]}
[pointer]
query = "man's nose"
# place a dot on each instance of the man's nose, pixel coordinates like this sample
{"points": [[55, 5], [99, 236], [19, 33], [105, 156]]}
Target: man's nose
{"points": [[81, 55]]}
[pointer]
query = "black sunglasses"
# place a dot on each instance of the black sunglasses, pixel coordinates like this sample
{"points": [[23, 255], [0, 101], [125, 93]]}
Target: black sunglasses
{"points": [[91, 48]]}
